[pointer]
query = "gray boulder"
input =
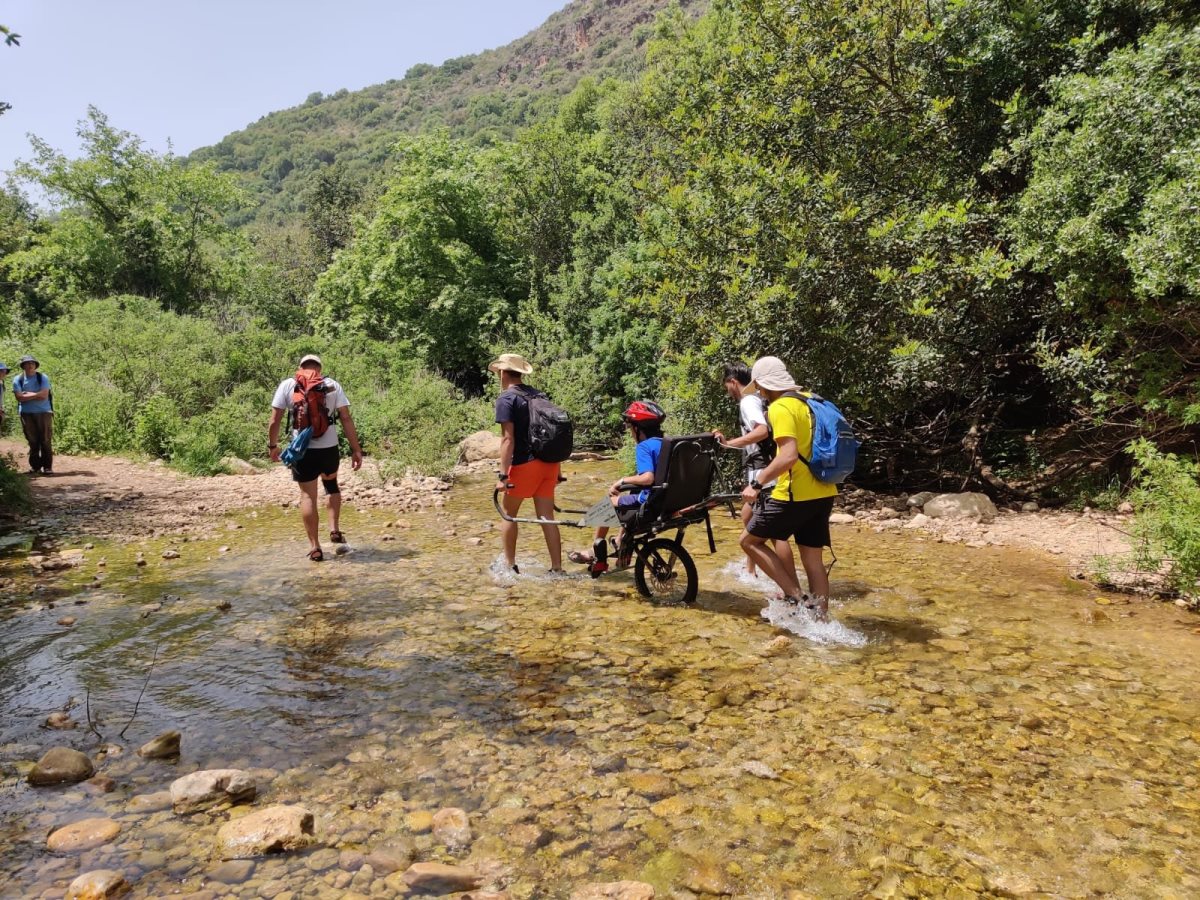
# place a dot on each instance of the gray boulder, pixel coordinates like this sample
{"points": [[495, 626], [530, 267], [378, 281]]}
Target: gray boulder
{"points": [[961, 506], [479, 446]]}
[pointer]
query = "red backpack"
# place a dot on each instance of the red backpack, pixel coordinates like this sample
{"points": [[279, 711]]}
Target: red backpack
{"points": [[308, 403]]}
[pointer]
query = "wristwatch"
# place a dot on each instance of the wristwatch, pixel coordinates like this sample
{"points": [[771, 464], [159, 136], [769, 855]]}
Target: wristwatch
{"points": [[754, 484]]}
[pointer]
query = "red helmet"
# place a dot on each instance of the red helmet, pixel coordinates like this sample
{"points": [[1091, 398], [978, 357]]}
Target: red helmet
{"points": [[643, 411]]}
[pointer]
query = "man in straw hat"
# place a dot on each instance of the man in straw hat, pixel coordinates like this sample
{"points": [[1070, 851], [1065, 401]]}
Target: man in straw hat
{"points": [[32, 390], [521, 476], [799, 505]]}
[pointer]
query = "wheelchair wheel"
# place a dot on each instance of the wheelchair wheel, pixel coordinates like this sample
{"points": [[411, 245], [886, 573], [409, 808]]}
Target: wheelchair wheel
{"points": [[664, 571]]}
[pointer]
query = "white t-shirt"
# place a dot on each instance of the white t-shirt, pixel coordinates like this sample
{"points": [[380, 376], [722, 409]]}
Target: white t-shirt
{"points": [[751, 414], [335, 399]]}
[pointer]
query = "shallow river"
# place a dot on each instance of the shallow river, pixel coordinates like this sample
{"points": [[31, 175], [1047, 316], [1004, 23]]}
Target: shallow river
{"points": [[966, 725]]}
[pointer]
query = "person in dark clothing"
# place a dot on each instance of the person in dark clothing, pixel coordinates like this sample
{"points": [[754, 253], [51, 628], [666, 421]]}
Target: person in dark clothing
{"points": [[521, 476], [32, 390]]}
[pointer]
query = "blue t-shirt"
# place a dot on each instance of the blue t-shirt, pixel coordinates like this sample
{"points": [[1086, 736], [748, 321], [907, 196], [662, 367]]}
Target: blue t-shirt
{"points": [[512, 406], [646, 457], [38, 382]]}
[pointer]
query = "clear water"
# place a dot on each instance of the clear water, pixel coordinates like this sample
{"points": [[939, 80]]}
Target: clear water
{"points": [[962, 726]]}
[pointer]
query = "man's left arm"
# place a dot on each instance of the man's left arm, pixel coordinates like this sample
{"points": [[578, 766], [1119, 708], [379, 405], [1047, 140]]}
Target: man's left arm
{"points": [[347, 421]]}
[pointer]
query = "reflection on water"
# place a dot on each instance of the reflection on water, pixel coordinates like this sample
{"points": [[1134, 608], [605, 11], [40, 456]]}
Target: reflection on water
{"points": [[958, 727]]}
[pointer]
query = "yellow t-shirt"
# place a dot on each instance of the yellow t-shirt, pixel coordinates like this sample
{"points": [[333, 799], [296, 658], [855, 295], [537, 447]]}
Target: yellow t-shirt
{"points": [[790, 418]]}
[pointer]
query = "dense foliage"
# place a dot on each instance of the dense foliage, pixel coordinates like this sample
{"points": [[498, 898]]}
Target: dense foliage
{"points": [[972, 224]]}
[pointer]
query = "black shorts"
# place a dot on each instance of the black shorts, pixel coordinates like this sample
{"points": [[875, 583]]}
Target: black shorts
{"points": [[805, 520], [316, 463]]}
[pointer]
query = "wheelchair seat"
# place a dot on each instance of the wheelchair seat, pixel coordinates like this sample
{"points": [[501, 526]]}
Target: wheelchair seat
{"points": [[683, 478]]}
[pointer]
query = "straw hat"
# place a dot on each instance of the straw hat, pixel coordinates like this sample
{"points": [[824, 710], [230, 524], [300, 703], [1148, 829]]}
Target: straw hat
{"points": [[770, 374], [510, 362]]}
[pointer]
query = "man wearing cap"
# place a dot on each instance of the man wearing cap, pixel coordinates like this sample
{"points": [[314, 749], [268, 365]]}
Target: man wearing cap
{"points": [[3, 375], [32, 390], [799, 505], [521, 476], [322, 457]]}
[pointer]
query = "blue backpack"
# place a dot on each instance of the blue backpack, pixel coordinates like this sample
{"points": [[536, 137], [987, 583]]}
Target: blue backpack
{"points": [[834, 447]]}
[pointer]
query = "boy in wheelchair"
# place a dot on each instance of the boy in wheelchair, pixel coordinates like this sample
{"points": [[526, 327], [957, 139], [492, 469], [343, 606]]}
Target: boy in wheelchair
{"points": [[644, 418]]}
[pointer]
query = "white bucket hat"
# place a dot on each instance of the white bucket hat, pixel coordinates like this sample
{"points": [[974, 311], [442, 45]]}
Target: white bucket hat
{"points": [[769, 373]]}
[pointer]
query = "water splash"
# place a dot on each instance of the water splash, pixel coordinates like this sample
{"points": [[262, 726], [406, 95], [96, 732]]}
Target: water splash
{"points": [[531, 569], [802, 623]]}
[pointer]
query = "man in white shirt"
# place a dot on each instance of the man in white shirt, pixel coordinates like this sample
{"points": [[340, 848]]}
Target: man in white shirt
{"points": [[755, 443], [322, 457]]}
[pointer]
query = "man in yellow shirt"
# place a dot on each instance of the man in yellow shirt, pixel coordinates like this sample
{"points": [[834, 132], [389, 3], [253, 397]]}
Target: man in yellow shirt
{"points": [[799, 505]]}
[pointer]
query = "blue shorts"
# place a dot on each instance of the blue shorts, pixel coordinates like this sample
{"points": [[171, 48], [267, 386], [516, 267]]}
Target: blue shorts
{"points": [[627, 500]]}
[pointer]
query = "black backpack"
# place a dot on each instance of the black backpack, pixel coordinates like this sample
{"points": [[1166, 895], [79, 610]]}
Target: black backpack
{"points": [[551, 432]]}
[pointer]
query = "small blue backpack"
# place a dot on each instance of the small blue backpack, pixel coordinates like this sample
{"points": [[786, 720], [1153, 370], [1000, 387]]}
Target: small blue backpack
{"points": [[834, 447]]}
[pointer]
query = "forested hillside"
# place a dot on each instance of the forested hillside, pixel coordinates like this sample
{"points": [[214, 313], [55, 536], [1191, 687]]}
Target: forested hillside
{"points": [[482, 98], [971, 224]]}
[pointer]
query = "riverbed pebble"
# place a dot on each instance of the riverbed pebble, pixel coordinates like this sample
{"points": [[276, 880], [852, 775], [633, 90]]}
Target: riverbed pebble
{"points": [[99, 884], [61, 765], [452, 827], [275, 829], [439, 878], [165, 746], [614, 890], [209, 786], [83, 835]]}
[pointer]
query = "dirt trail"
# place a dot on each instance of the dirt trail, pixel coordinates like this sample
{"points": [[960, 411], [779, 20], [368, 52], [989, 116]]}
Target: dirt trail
{"points": [[105, 496]]}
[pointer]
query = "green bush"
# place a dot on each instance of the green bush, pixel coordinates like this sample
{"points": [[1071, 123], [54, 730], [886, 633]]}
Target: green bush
{"points": [[155, 425], [1166, 497], [197, 451]]}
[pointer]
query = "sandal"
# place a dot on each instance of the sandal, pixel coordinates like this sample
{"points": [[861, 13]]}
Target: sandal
{"points": [[578, 556], [337, 537], [316, 555]]}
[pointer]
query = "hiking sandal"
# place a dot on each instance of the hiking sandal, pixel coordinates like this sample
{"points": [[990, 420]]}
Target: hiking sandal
{"points": [[316, 555], [337, 537]]}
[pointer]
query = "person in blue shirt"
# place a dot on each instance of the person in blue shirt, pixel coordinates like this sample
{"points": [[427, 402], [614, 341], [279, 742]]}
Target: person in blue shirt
{"points": [[32, 390], [644, 419]]}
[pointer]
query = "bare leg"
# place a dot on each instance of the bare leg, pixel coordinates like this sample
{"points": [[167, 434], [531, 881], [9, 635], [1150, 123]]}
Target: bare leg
{"points": [[545, 510], [783, 549], [814, 568], [768, 560], [308, 512], [508, 530], [747, 512]]}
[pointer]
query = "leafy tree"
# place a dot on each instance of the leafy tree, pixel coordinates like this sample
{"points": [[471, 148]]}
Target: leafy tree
{"points": [[11, 39], [429, 267], [129, 220], [1109, 217]]}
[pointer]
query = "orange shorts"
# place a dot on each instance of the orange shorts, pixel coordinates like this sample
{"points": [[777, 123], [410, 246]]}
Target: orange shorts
{"points": [[533, 479]]}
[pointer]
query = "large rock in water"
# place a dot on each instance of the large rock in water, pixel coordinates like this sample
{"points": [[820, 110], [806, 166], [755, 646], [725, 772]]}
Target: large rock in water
{"points": [[961, 506], [276, 829], [478, 446], [614, 890], [61, 765], [200, 789], [98, 885]]}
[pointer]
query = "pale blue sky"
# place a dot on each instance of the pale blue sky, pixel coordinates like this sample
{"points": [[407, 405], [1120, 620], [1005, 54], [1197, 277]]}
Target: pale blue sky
{"points": [[194, 70]]}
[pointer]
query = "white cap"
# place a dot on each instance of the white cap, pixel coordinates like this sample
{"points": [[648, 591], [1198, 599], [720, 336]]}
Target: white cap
{"points": [[310, 357]]}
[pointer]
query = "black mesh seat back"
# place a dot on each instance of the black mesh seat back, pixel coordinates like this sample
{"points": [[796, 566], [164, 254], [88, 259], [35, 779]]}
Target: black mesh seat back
{"points": [[686, 466]]}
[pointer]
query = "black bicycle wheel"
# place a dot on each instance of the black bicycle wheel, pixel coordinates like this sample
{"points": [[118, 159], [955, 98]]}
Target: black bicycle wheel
{"points": [[665, 571]]}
